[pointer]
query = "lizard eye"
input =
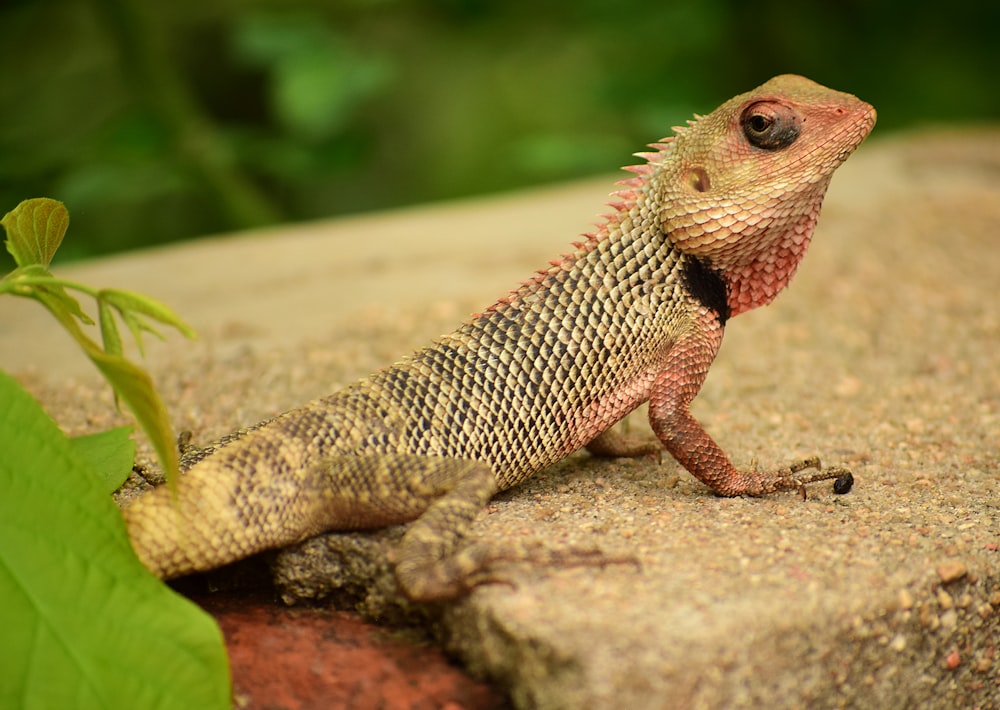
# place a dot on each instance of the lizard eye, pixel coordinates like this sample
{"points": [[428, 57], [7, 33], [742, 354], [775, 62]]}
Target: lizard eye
{"points": [[769, 125]]}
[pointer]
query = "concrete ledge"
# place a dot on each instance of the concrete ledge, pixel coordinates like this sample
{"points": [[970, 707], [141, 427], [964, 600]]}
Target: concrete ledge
{"points": [[883, 355]]}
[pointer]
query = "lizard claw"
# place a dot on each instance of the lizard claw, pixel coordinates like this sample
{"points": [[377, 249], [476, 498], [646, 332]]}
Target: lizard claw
{"points": [[843, 479]]}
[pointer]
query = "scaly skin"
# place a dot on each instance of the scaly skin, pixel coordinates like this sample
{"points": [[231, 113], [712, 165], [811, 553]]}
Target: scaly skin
{"points": [[714, 224]]}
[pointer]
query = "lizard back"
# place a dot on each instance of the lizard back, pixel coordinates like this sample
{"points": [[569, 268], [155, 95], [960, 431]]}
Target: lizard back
{"points": [[543, 372]]}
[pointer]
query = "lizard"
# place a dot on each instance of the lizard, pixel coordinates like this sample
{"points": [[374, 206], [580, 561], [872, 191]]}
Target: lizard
{"points": [[713, 223]]}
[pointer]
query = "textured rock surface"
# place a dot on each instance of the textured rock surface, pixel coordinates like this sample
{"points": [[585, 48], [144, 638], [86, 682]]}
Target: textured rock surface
{"points": [[883, 355]]}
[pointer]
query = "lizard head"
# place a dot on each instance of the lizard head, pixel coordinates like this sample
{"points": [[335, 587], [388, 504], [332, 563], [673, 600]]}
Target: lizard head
{"points": [[742, 187]]}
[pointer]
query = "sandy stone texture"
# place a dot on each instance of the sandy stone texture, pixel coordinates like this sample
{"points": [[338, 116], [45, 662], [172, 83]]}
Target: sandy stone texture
{"points": [[883, 356]]}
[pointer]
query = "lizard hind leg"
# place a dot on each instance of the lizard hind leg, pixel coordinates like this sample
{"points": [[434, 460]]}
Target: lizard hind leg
{"points": [[429, 562], [614, 444], [432, 564]]}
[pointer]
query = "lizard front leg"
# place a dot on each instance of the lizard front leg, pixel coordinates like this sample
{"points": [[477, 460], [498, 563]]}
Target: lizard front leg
{"points": [[676, 385]]}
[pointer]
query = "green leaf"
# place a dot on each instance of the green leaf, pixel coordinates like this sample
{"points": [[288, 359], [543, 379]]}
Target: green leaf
{"points": [[135, 388], [129, 381], [109, 329], [131, 307], [35, 229], [109, 453], [85, 625], [127, 301]]}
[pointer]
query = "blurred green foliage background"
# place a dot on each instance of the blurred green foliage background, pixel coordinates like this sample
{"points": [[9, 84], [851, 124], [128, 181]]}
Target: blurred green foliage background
{"points": [[158, 121]]}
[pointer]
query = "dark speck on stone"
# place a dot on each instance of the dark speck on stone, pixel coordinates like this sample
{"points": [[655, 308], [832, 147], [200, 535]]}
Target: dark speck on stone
{"points": [[843, 483]]}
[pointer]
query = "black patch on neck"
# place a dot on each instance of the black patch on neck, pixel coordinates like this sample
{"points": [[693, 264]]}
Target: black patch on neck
{"points": [[706, 285]]}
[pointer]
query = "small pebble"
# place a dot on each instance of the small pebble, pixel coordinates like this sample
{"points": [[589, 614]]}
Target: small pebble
{"points": [[951, 570], [905, 599], [944, 599]]}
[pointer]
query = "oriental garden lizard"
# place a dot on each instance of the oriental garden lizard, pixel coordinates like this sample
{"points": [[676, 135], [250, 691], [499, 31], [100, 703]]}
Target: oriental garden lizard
{"points": [[712, 224]]}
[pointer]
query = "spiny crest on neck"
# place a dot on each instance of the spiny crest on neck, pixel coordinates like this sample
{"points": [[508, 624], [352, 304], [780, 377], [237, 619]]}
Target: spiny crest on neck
{"points": [[622, 202]]}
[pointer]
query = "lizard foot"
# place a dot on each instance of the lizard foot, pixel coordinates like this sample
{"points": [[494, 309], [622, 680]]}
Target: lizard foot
{"points": [[756, 483], [477, 564]]}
